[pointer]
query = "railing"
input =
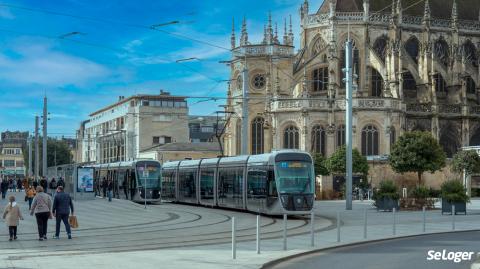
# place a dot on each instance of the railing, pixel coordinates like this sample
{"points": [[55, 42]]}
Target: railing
{"points": [[419, 107], [263, 50], [384, 18], [475, 110], [450, 109], [358, 103]]}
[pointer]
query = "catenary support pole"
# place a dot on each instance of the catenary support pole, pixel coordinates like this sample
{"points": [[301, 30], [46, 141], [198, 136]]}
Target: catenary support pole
{"points": [[37, 149], [258, 234], [244, 138], [394, 221], [312, 229], [453, 217], [424, 219], [338, 226], [365, 224], [234, 243], [44, 137], [30, 157], [284, 231], [348, 121]]}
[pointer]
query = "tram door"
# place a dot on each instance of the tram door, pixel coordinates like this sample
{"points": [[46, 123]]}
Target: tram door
{"points": [[133, 184], [256, 188]]}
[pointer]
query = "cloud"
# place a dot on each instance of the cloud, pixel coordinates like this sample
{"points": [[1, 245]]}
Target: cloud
{"points": [[40, 64]]}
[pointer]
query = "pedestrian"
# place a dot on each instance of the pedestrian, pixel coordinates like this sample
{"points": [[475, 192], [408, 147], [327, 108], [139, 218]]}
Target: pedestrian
{"points": [[4, 187], [44, 184], [41, 206], [61, 182], [110, 189], [10, 184], [53, 186], [35, 184], [125, 188], [19, 185], [62, 206], [104, 187], [30, 195], [12, 214], [14, 185]]}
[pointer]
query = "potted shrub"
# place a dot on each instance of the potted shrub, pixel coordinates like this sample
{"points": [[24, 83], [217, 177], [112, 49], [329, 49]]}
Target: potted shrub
{"points": [[453, 193], [422, 197], [386, 197]]}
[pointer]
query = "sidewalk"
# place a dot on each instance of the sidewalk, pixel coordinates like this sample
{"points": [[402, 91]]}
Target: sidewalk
{"points": [[122, 234]]}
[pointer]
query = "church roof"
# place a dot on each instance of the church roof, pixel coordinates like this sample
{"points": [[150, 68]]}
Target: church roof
{"points": [[442, 9]]}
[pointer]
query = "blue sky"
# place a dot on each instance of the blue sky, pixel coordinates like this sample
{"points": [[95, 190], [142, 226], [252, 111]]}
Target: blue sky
{"points": [[79, 78]]}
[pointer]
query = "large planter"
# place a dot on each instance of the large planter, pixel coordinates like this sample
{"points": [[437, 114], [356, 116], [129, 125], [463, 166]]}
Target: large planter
{"points": [[459, 207], [387, 204]]}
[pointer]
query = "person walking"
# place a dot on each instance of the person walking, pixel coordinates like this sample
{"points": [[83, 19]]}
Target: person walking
{"points": [[4, 188], [53, 186], [12, 214], [41, 206], [19, 185], [61, 182], [62, 206], [35, 184], [44, 184], [30, 195], [110, 189]]}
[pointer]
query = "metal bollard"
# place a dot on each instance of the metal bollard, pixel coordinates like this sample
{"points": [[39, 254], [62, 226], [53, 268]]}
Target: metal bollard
{"points": [[338, 226], [258, 234], [453, 217], [365, 224], [312, 229], [284, 231], [234, 243], [424, 219], [394, 221]]}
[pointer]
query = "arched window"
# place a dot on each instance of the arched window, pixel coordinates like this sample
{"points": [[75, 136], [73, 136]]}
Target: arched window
{"points": [[356, 60], [469, 52], [412, 48], [376, 83], [341, 135], [471, 87], [238, 137], [409, 85], [320, 79], [291, 137], [440, 84], [380, 47], [441, 51], [257, 135], [318, 139], [369, 140]]}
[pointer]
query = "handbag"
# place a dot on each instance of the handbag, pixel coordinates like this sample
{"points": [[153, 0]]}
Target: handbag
{"points": [[26, 198], [72, 220]]}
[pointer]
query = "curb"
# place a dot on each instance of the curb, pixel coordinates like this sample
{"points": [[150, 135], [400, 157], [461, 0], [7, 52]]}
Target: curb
{"points": [[272, 264]]}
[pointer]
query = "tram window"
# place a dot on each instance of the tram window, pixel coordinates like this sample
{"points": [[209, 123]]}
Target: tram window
{"points": [[272, 185], [187, 186], [257, 182], [206, 183], [230, 186], [168, 184]]}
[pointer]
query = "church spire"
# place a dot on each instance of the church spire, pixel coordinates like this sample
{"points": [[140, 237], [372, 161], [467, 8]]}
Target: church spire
{"points": [[454, 15], [232, 38], [285, 36], [275, 38], [426, 14], [244, 36], [290, 34], [269, 37], [399, 11]]}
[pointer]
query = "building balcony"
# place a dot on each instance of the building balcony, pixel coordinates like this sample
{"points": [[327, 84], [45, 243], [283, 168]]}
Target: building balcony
{"points": [[340, 104]]}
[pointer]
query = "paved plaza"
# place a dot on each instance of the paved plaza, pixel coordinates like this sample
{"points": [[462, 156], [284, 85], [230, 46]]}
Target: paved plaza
{"points": [[123, 234]]}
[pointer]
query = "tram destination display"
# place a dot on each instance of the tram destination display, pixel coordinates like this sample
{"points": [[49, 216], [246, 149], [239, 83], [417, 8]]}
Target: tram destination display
{"points": [[85, 179]]}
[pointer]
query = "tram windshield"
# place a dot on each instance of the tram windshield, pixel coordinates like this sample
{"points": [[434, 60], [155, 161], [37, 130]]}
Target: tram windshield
{"points": [[149, 173], [294, 177]]}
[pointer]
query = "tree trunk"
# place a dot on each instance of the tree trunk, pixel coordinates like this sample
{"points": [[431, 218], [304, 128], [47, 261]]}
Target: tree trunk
{"points": [[419, 178]]}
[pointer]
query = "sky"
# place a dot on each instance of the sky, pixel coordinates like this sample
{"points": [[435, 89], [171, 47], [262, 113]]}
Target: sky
{"points": [[115, 53]]}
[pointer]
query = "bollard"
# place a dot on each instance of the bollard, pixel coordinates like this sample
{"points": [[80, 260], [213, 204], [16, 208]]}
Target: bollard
{"points": [[234, 243], [365, 224], [338, 226], [258, 234], [424, 219], [312, 229], [453, 217], [394, 222], [284, 231]]}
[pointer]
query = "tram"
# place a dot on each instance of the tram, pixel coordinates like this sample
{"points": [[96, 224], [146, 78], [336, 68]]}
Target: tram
{"points": [[134, 180], [275, 183]]}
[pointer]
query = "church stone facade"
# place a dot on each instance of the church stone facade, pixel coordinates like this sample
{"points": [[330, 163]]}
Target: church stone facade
{"points": [[416, 64]]}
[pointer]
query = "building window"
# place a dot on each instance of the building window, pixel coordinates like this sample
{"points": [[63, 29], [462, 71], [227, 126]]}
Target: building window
{"points": [[320, 79], [291, 138], [341, 135], [161, 140], [369, 140], [412, 47], [259, 81], [440, 84], [238, 137], [392, 136], [9, 163], [409, 83], [441, 51], [318, 140], [471, 87], [376, 84], [239, 82], [469, 53], [257, 135]]}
